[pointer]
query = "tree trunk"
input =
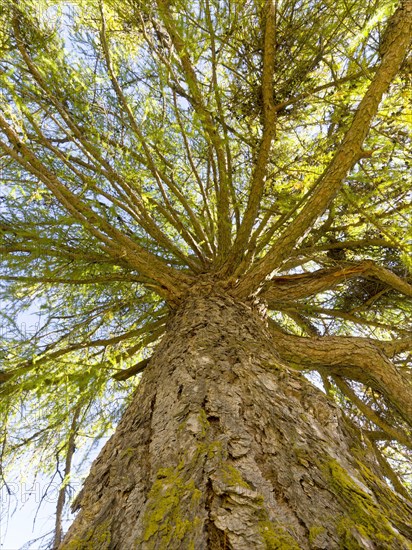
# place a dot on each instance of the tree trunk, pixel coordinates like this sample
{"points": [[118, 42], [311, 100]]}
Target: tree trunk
{"points": [[224, 447]]}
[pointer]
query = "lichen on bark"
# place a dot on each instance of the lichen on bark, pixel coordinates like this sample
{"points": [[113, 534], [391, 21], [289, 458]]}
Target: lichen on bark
{"points": [[167, 520], [98, 536], [364, 520]]}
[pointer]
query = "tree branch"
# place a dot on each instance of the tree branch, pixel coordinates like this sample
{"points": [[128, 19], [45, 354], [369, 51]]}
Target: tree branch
{"points": [[154, 169], [315, 311], [359, 359], [289, 288], [394, 433], [209, 126], [269, 129], [149, 332], [346, 156], [118, 245], [71, 447], [389, 472], [132, 371]]}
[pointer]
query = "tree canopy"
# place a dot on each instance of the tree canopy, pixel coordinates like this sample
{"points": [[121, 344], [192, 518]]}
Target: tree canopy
{"points": [[260, 144]]}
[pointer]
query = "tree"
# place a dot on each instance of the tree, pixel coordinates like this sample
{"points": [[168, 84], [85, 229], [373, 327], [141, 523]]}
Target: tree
{"points": [[216, 195]]}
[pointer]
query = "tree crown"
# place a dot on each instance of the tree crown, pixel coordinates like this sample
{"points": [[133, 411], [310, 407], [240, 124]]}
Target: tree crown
{"points": [[145, 148]]}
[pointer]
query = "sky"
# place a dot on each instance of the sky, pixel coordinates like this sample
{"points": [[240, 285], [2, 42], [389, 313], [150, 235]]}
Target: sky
{"points": [[22, 519], [28, 513]]}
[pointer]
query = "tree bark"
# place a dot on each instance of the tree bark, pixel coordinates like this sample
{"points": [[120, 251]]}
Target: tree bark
{"points": [[223, 447]]}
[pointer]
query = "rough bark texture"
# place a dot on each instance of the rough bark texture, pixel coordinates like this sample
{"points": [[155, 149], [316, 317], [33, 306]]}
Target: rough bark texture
{"points": [[224, 447]]}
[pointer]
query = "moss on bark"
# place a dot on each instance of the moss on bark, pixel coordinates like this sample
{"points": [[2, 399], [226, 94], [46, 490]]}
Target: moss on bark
{"points": [[96, 537], [166, 521], [365, 523]]}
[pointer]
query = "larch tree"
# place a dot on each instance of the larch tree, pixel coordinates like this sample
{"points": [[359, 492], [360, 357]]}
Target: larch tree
{"points": [[215, 194]]}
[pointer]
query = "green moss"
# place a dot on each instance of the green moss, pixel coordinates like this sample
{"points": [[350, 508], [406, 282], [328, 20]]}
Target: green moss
{"points": [[129, 452], [398, 508], [166, 517], [96, 537], [215, 450], [204, 423], [232, 477], [276, 537], [348, 535], [314, 532], [364, 520]]}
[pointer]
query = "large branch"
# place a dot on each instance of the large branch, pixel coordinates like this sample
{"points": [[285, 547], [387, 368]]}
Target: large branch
{"points": [[208, 230], [132, 371], [304, 255], [115, 242], [77, 135], [154, 169], [289, 288], [359, 359], [198, 102], [389, 472], [269, 129], [220, 107], [347, 154]]}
